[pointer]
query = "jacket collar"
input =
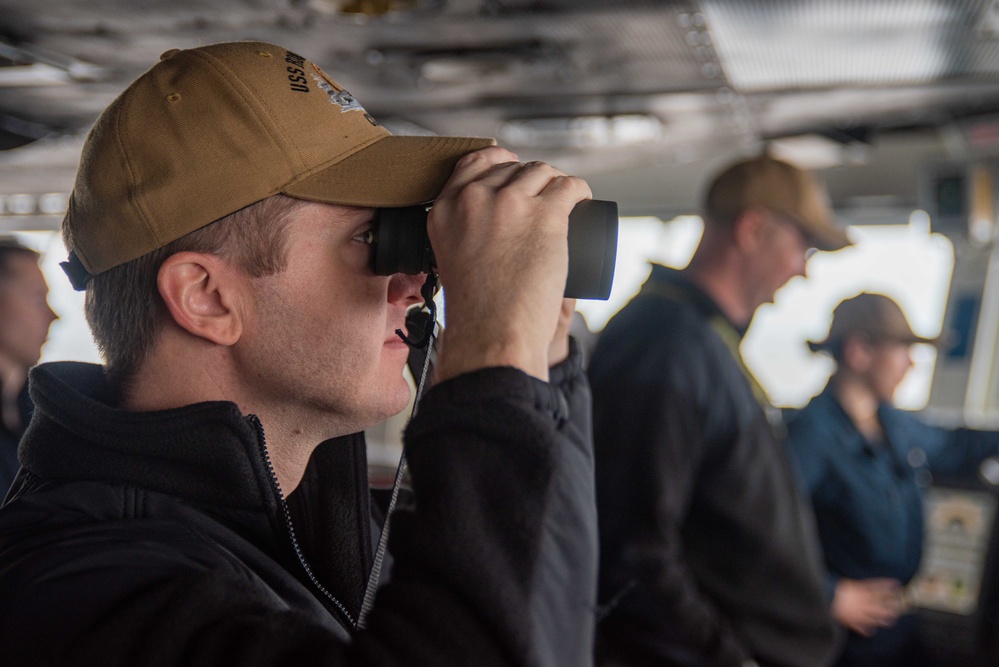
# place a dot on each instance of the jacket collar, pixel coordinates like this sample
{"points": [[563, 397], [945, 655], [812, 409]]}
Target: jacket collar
{"points": [[850, 437], [676, 282], [77, 434], [211, 455]]}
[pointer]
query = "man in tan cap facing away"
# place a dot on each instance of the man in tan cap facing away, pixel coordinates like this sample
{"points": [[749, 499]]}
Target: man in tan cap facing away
{"points": [[864, 464], [202, 498], [708, 553]]}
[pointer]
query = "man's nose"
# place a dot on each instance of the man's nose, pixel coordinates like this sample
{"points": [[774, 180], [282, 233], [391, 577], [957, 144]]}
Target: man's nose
{"points": [[406, 288]]}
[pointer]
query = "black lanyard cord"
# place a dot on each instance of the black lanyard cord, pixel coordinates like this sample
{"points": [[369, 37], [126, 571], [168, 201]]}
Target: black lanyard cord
{"points": [[425, 341]]}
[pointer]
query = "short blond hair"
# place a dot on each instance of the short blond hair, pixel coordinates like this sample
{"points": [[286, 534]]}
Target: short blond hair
{"points": [[123, 305]]}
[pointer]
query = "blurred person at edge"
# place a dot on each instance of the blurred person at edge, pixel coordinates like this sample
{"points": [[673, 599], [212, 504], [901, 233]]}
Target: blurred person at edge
{"points": [[708, 553], [860, 459], [25, 318], [202, 498]]}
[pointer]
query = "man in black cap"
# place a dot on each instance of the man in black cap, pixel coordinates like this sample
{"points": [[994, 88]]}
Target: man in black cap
{"points": [[708, 553], [202, 499]]}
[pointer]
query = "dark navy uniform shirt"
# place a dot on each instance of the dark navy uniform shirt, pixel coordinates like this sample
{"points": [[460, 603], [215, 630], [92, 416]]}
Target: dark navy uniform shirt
{"points": [[868, 496]]}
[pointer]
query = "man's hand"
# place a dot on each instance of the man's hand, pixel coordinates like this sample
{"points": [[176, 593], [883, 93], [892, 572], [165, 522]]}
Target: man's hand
{"points": [[867, 604], [499, 230], [558, 349]]}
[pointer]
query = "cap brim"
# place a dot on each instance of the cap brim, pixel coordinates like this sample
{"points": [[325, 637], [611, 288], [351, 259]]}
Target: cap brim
{"points": [[393, 171], [827, 236], [818, 345], [941, 342]]}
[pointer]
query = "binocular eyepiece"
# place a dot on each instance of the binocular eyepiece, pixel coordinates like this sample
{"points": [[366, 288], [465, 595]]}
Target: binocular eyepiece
{"points": [[403, 246]]}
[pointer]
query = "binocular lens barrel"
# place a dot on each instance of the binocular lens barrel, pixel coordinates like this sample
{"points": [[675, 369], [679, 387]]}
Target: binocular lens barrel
{"points": [[404, 247]]}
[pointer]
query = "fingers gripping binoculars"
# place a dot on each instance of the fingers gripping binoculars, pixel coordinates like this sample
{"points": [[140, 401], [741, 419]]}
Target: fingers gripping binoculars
{"points": [[402, 246]]}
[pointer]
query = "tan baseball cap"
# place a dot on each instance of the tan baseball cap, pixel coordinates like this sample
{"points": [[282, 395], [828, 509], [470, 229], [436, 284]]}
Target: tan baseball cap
{"points": [[773, 184], [874, 315], [208, 131]]}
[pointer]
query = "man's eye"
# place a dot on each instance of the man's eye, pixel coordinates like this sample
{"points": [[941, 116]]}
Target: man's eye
{"points": [[367, 236]]}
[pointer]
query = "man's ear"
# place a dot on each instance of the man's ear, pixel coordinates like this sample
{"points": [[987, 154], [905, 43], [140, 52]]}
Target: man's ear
{"points": [[201, 293], [749, 229]]}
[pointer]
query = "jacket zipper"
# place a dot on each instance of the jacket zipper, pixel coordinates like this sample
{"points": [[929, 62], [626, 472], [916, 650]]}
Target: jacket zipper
{"points": [[286, 517]]}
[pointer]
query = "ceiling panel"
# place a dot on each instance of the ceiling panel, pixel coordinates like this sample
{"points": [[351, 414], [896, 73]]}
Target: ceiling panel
{"points": [[705, 80], [768, 45]]}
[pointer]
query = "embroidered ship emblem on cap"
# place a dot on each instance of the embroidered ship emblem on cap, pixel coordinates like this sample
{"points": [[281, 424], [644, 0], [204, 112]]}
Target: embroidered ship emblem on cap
{"points": [[338, 96]]}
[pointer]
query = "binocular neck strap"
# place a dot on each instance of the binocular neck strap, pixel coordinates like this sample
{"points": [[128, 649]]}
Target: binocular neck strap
{"points": [[424, 341]]}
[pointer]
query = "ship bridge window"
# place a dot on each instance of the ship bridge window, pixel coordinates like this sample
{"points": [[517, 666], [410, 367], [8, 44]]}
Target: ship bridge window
{"points": [[905, 261]]}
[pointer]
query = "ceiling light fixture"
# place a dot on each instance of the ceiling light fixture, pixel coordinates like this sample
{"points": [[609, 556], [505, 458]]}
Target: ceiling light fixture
{"points": [[814, 151], [21, 68], [582, 131]]}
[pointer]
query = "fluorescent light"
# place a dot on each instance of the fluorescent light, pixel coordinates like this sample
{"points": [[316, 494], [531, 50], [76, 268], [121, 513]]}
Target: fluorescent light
{"points": [[582, 131], [815, 44], [814, 151], [23, 68], [37, 74]]}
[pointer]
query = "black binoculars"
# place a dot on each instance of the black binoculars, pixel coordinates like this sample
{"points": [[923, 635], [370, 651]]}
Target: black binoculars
{"points": [[402, 246]]}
